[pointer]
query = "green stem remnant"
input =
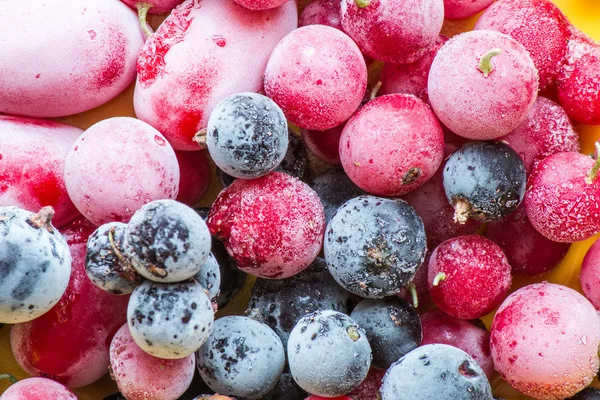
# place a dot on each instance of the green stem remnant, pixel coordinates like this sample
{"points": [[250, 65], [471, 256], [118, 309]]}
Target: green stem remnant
{"points": [[412, 288], [11, 378], [143, 8], [375, 90], [485, 63], [362, 3], [353, 333], [200, 138], [593, 174], [438, 278]]}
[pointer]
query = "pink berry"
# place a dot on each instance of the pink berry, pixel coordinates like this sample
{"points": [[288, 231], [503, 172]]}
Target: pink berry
{"points": [[194, 176], [469, 276], [324, 144], [439, 327], [560, 204], [32, 159], [369, 388], [395, 31], [141, 376], [321, 12], [70, 342], [410, 78], [199, 56], [260, 4], [318, 77], [590, 275], [455, 9], [66, 56], [272, 226], [392, 145], [158, 6], [38, 389], [117, 166], [544, 341], [482, 84], [539, 26], [528, 251], [546, 130], [579, 80]]}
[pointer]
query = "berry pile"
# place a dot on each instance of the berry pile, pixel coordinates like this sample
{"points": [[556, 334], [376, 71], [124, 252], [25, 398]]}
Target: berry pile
{"points": [[386, 189]]}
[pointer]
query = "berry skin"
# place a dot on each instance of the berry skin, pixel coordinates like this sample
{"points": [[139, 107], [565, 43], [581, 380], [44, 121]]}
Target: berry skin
{"points": [[395, 31], [458, 9], [373, 148], [334, 189], [369, 388], [209, 277], [105, 263], [373, 246], [544, 341], [469, 276], [482, 84], [166, 241], [546, 130], [539, 26], [272, 226], [439, 327], [589, 393], [560, 204], [35, 264], [194, 176], [437, 371], [325, 145], [392, 326], [247, 135], [281, 303], [170, 320], [312, 342], [32, 154], [38, 389], [589, 275], [484, 181], [260, 4], [242, 358], [528, 252], [321, 12], [158, 6], [318, 76], [286, 389]]}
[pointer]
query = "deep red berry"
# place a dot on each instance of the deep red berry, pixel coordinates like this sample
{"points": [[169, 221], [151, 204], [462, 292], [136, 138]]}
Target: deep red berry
{"points": [[324, 144], [590, 275], [194, 176]]}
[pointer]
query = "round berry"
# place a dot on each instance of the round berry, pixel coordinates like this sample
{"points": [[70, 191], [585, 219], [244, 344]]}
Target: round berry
{"points": [[260, 4], [325, 145], [321, 12], [209, 277], [458, 9], [38, 389], [369, 388], [194, 176], [590, 275], [334, 189], [286, 389]]}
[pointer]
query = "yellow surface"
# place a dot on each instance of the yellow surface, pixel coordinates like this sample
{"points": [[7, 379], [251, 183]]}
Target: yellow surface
{"points": [[583, 13]]}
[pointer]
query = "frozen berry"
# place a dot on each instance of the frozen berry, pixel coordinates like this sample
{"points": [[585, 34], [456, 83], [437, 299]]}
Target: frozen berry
{"points": [[373, 246], [35, 264], [156, 6], [166, 241], [544, 341], [590, 275], [105, 264], [417, 291], [392, 326], [194, 176], [242, 358], [482, 84], [394, 31], [209, 277], [436, 371], [369, 388], [140, 375], [469, 276], [464, 8], [232, 279], [170, 320], [374, 150], [589, 393], [484, 181], [321, 12], [317, 75], [563, 197], [325, 145], [312, 342], [260, 4], [272, 226], [334, 189], [38, 389], [528, 251], [281, 303], [247, 135], [286, 389]]}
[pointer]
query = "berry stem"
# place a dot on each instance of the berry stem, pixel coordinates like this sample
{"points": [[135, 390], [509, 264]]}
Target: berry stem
{"points": [[143, 8], [200, 138], [438, 278], [412, 288], [593, 174], [485, 63], [42, 219], [362, 3], [353, 333], [10, 377], [375, 90]]}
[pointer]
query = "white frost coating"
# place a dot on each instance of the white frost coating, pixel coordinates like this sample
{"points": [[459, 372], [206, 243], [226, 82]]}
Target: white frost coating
{"points": [[35, 267], [170, 321], [209, 277]]}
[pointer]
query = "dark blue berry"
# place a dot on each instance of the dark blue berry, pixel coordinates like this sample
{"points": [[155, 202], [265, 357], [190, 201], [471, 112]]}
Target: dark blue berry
{"points": [[334, 189], [587, 394]]}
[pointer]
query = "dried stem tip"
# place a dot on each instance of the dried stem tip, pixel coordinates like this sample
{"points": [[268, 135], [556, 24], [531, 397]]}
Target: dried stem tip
{"points": [[461, 211], [43, 219], [485, 63], [593, 174], [200, 138]]}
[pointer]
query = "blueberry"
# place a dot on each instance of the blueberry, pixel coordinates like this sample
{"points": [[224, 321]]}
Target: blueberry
{"points": [[280, 303], [247, 135], [373, 246], [166, 241], [334, 189], [170, 320], [587, 394], [35, 264], [209, 277], [435, 371], [286, 389], [328, 353], [242, 358], [484, 181], [393, 328], [105, 264]]}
